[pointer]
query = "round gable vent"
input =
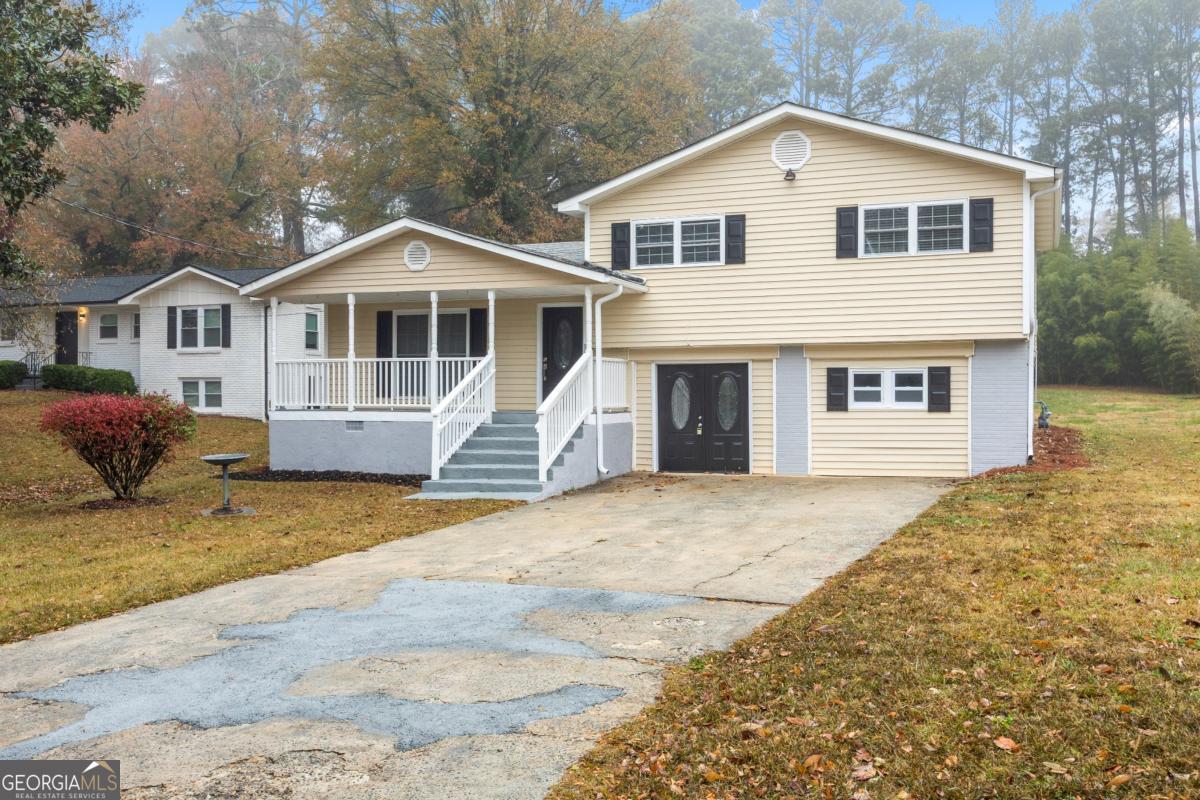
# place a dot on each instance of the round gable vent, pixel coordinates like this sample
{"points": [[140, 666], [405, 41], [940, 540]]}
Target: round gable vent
{"points": [[791, 150], [417, 255]]}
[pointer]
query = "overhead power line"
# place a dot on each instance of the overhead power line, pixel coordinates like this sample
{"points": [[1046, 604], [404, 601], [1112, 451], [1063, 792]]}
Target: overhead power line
{"points": [[153, 232]]}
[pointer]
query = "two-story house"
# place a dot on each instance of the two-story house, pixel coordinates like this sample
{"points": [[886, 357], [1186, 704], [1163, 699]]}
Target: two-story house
{"points": [[188, 333], [802, 294]]}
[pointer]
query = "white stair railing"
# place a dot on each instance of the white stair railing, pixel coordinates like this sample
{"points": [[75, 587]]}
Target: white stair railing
{"points": [[616, 383], [459, 413], [562, 412]]}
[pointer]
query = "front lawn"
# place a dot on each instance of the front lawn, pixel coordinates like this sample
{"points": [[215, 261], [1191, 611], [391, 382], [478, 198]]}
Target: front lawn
{"points": [[60, 564], [1031, 635]]}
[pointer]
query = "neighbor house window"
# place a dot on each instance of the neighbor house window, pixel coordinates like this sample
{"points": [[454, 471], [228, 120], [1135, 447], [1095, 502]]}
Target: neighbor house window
{"points": [[108, 326], [200, 327], [202, 394], [8, 331], [312, 333], [888, 388], [677, 242], [137, 326], [913, 228], [412, 334]]}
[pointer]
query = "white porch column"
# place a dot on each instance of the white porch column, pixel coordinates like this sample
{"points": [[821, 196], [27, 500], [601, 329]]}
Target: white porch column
{"points": [[273, 376], [351, 373], [433, 351], [587, 319], [491, 347]]}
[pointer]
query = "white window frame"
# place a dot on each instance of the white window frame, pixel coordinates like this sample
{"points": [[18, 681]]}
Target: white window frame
{"points": [[100, 337], [202, 406], [677, 256], [135, 327], [442, 312], [913, 236], [200, 347], [316, 347], [887, 385]]}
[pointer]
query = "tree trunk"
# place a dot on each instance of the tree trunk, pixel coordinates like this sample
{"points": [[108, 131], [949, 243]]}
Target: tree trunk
{"points": [[1191, 103], [1091, 237]]}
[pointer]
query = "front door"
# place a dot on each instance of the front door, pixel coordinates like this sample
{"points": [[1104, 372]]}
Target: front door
{"points": [[66, 338], [562, 343], [703, 418]]}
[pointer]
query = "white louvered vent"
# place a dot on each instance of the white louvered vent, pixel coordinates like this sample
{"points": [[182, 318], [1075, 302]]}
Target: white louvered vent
{"points": [[417, 255], [791, 150]]}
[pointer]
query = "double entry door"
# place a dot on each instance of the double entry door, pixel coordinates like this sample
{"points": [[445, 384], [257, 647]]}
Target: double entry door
{"points": [[703, 418]]}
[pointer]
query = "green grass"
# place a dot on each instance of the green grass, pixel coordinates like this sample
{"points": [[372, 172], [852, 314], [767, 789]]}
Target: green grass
{"points": [[61, 564], [1032, 635]]}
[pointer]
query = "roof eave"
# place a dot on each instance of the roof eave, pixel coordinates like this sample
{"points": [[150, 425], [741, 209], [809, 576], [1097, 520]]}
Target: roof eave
{"points": [[154, 285]]}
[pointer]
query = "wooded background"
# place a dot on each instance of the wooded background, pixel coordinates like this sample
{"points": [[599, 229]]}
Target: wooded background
{"points": [[272, 128]]}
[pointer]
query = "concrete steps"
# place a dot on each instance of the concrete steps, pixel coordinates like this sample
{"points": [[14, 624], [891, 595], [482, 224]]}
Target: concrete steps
{"points": [[500, 460]]}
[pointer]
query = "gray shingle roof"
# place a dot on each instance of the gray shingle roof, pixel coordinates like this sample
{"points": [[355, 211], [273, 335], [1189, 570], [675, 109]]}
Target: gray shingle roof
{"points": [[99, 288], [571, 252]]}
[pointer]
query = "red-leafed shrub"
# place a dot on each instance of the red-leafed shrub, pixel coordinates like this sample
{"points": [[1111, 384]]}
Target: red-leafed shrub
{"points": [[123, 438]]}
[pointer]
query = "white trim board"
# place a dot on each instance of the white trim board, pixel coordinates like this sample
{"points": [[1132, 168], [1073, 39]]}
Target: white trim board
{"points": [[1032, 170], [405, 224]]}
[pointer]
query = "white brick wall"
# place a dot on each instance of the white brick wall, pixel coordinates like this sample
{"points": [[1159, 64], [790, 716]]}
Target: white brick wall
{"points": [[42, 324], [120, 353]]}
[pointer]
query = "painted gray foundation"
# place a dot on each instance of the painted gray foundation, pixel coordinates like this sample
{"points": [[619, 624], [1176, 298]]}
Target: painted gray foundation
{"points": [[579, 466], [791, 412], [398, 447], [1000, 415]]}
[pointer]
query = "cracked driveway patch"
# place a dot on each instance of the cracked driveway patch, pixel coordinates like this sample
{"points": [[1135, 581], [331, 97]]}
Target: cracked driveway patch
{"points": [[477, 661]]}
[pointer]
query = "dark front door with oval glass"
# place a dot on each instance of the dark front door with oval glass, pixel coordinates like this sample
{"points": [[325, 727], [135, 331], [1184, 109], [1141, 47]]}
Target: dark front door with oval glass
{"points": [[562, 343], [703, 413]]}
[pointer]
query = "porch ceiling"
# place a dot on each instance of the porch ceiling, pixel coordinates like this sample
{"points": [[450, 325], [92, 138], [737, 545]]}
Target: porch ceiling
{"points": [[445, 295]]}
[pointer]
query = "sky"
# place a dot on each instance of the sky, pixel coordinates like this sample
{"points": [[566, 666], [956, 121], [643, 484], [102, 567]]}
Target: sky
{"points": [[158, 14]]}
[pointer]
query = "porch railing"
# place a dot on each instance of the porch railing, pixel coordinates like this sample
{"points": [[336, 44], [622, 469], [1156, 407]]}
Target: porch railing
{"points": [[35, 361], [563, 411], [468, 405], [615, 387], [369, 383]]}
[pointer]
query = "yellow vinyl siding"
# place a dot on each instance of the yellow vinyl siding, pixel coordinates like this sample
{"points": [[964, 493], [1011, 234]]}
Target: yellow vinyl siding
{"points": [[516, 342], [762, 395], [880, 441], [792, 288], [453, 266], [1046, 219]]}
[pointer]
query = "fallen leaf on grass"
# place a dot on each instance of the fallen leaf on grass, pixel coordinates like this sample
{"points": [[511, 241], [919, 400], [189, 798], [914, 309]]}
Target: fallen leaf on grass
{"points": [[864, 772], [1118, 781], [1006, 744], [1056, 769]]}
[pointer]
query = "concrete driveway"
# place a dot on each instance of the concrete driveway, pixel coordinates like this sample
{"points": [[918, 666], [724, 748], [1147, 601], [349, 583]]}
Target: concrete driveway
{"points": [[478, 661]]}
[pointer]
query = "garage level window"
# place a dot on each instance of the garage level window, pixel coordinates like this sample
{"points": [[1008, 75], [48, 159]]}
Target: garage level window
{"points": [[202, 394], [312, 331], [888, 388], [888, 230], [200, 327], [108, 326], [691, 242]]}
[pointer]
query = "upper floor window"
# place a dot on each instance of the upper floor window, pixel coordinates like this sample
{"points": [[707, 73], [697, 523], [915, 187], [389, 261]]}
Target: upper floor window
{"points": [[108, 326], [200, 327], [887, 230], [312, 331], [692, 242]]}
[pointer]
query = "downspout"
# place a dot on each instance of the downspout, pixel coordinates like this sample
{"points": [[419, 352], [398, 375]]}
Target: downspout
{"points": [[1032, 234], [598, 383]]}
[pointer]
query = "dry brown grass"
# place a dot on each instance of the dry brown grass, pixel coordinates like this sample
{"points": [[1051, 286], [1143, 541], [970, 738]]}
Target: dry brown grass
{"points": [[1032, 635], [61, 564]]}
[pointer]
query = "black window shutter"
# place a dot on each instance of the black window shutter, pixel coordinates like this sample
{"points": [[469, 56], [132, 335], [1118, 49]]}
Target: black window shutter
{"points": [[981, 225], [837, 380], [226, 324], [939, 389], [383, 334], [620, 245], [735, 238], [847, 232], [479, 324], [172, 331]]}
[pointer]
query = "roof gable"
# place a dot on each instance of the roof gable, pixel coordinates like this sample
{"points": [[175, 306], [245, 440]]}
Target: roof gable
{"points": [[577, 204]]}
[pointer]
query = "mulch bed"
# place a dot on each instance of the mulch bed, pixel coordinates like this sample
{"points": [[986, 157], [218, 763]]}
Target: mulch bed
{"points": [[1054, 449], [112, 503], [327, 475]]}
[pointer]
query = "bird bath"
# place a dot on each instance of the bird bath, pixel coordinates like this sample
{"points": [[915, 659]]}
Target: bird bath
{"points": [[225, 461]]}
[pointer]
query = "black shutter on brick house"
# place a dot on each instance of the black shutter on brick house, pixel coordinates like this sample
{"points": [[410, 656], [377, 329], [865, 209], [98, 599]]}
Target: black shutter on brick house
{"points": [[172, 329], [226, 325]]}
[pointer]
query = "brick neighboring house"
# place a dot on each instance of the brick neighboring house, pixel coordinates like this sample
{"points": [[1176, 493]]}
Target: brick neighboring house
{"points": [[187, 333]]}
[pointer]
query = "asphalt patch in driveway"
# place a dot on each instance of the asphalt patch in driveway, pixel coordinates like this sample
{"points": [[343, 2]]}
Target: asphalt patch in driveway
{"points": [[252, 680]]}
